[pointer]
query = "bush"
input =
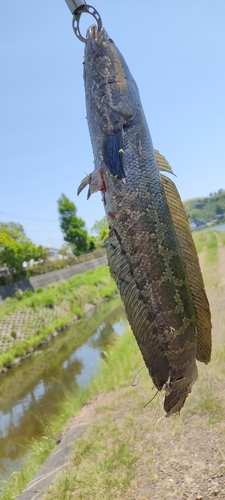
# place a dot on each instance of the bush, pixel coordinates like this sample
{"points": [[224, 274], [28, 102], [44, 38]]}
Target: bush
{"points": [[28, 292], [18, 295], [49, 302], [58, 265], [6, 279]]}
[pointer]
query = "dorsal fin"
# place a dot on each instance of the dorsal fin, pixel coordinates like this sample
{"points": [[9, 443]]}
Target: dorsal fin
{"points": [[162, 163], [191, 262]]}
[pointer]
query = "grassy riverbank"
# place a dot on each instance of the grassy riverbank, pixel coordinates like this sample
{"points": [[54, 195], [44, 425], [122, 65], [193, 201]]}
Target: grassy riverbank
{"points": [[130, 451], [115, 372], [29, 319]]}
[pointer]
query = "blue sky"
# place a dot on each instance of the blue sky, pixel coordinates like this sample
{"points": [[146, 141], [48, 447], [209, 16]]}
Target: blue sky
{"points": [[175, 51]]}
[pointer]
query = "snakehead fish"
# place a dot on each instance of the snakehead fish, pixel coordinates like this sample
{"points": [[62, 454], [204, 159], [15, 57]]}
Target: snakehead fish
{"points": [[150, 250]]}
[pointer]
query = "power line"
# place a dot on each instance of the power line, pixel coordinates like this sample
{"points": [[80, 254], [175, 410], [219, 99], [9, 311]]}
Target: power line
{"points": [[29, 218]]}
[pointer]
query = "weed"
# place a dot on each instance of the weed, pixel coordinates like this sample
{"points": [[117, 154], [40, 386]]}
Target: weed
{"points": [[13, 334], [49, 302], [18, 295], [78, 311], [28, 293]]}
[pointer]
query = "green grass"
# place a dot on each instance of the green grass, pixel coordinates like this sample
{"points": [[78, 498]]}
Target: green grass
{"points": [[200, 240], [212, 248], [208, 241], [205, 402], [101, 466]]}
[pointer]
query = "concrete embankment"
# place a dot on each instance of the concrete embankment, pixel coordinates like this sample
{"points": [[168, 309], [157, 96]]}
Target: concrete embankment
{"points": [[43, 280]]}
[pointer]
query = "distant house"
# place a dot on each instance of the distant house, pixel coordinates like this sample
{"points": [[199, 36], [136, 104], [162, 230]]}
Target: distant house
{"points": [[31, 263], [52, 251], [53, 254]]}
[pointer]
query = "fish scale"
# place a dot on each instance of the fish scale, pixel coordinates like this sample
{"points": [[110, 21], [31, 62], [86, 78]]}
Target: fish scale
{"points": [[145, 256]]}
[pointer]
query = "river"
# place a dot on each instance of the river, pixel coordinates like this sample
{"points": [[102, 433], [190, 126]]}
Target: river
{"points": [[31, 393], [220, 227]]}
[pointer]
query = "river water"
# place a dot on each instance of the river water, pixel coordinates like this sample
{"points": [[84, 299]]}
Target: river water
{"points": [[220, 227], [30, 393]]}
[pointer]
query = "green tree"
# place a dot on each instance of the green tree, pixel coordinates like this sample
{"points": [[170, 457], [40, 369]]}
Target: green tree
{"points": [[73, 227], [14, 230], [15, 247], [92, 243], [218, 209], [101, 227]]}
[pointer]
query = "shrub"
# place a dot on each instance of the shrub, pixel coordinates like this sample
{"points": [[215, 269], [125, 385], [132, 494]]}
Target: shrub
{"points": [[18, 295], [49, 302], [6, 279], [28, 292]]}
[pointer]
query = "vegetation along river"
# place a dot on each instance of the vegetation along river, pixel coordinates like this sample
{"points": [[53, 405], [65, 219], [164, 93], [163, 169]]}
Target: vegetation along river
{"points": [[31, 393]]}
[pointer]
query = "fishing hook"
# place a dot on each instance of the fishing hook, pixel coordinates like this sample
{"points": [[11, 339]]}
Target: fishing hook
{"points": [[78, 7]]}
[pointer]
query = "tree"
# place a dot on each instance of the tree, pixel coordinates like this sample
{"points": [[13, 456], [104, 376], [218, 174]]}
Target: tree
{"points": [[101, 227], [14, 230], [65, 250], [219, 210], [15, 247], [73, 227], [92, 243]]}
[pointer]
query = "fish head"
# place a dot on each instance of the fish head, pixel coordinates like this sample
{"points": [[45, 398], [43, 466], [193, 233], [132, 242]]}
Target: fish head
{"points": [[101, 57], [109, 84]]}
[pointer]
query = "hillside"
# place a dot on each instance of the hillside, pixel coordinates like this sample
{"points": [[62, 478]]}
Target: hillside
{"points": [[208, 209]]}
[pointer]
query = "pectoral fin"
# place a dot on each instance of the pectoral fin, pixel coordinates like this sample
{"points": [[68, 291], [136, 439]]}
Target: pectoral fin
{"points": [[191, 262], [95, 181], [113, 155]]}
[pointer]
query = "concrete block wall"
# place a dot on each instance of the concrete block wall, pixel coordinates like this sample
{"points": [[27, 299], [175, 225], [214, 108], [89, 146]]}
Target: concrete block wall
{"points": [[46, 279]]}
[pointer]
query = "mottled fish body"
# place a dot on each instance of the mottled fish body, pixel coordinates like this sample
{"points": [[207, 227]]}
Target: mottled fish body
{"points": [[150, 250]]}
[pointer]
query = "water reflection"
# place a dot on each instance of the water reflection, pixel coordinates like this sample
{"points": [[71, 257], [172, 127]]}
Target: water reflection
{"points": [[30, 393]]}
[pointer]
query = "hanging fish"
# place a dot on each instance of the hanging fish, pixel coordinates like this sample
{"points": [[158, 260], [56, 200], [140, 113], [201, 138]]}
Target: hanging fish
{"points": [[151, 253]]}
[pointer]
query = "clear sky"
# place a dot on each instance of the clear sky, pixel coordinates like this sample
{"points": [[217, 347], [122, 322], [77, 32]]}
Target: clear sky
{"points": [[175, 51]]}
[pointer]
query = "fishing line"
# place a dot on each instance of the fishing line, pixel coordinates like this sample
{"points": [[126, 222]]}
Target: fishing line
{"points": [[151, 399], [133, 384]]}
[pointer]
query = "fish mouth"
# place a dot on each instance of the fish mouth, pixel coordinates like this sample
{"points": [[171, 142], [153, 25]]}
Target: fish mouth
{"points": [[93, 37], [96, 37]]}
